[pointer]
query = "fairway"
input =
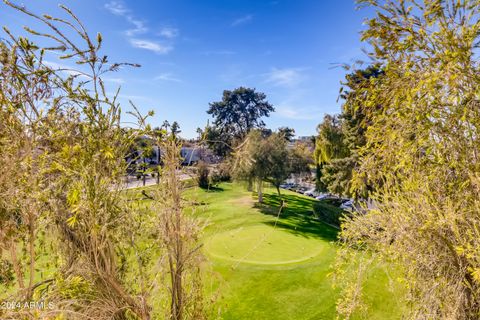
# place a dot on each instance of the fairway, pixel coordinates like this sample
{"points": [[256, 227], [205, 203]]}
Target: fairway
{"points": [[262, 244], [269, 266]]}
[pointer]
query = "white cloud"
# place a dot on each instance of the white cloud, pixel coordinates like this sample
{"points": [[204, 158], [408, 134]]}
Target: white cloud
{"points": [[287, 77], [151, 46], [139, 27], [168, 32], [167, 77], [119, 9], [242, 20], [116, 8]]}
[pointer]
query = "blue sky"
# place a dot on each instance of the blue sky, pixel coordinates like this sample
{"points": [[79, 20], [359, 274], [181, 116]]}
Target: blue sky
{"points": [[191, 50]]}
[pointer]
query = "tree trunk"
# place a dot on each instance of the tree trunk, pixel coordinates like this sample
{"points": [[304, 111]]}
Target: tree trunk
{"points": [[260, 191], [16, 265], [31, 249], [278, 190], [250, 185]]}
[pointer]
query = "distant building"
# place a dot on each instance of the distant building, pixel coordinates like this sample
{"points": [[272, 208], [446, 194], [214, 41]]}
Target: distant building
{"points": [[304, 138], [190, 155]]}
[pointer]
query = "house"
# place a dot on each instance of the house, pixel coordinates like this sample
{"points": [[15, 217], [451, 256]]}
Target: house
{"points": [[190, 155]]}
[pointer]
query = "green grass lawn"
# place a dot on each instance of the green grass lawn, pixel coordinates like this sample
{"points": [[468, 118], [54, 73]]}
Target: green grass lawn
{"points": [[266, 267], [261, 265]]}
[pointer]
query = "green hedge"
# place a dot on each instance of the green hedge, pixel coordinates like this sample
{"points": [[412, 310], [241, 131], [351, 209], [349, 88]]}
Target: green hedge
{"points": [[328, 213]]}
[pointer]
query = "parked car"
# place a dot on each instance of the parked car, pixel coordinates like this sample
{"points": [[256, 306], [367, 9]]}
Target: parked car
{"points": [[348, 205], [292, 187], [323, 196], [287, 185], [301, 190], [311, 193]]}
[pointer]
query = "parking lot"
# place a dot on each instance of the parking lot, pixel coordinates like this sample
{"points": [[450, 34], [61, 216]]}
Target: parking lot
{"points": [[309, 190]]}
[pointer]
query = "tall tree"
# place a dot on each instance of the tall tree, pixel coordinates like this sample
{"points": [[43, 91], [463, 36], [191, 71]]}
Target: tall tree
{"points": [[337, 174], [329, 145], [239, 111], [175, 129], [422, 157]]}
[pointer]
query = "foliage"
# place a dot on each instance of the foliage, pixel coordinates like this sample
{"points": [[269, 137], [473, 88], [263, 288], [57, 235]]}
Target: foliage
{"points": [[340, 137], [240, 111], [203, 175], [178, 236], [328, 213], [319, 184], [355, 119], [219, 143], [268, 159], [70, 150], [175, 129], [61, 172], [329, 142], [6, 273], [329, 145], [421, 155], [287, 133], [337, 175], [222, 173]]}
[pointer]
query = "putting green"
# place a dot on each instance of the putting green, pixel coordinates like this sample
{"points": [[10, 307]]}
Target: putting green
{"points": [[263, 244]]}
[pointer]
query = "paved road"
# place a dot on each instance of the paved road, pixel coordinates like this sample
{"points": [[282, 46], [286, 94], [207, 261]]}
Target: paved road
{"points": [[132, 181]]}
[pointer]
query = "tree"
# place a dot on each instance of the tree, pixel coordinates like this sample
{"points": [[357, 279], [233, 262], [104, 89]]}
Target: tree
{"points": [[144, 152], [268, 159], [219, 143], [278, 160], [239, 111], [200, 133], [70, 148], [329, 145], [421, 156], [175, 129], [287, 133], [178, 235], [203, 175], [61, 174], [165, 125], [336, 174], [355, 118]]}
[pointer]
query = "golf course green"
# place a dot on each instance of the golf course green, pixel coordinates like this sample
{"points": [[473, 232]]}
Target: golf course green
{"points": [[268, 266], [262, 244]]}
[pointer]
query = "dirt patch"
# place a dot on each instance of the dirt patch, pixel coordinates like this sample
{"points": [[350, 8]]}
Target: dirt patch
{"points": [[243, 201]]}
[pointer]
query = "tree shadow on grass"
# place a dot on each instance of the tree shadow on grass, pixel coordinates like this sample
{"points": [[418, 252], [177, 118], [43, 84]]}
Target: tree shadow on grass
{"points": [[213, 189], [296, 217]]}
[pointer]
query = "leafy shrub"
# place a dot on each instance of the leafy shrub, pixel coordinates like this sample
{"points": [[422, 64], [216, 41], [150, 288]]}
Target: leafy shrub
{"points": [[328, 213], [222, 174], [203, 175]]}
